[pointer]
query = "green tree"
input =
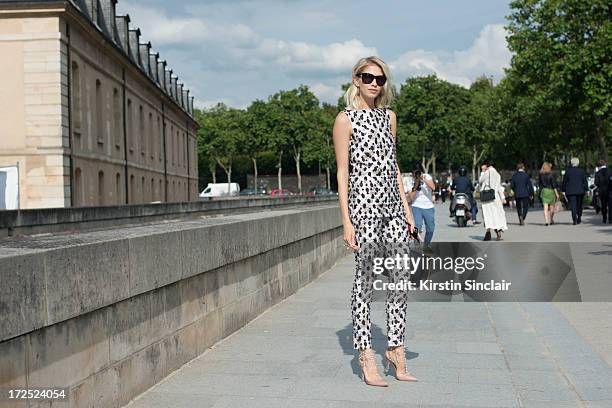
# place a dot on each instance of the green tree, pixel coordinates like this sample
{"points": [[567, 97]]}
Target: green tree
{"points": [[222, 133], [477, 122], [561, 72], [258, 133], [319, 147], [294, 114], [427, 109]]}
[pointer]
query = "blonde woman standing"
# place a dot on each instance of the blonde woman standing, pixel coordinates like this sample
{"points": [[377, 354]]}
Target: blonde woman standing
{"points": [[373, 206]]}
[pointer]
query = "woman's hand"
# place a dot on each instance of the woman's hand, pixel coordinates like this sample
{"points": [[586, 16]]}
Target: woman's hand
{"points": [[410, 221], [349, 237]]}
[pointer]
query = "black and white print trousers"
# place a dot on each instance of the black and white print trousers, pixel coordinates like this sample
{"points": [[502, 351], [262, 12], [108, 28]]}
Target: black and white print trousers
{"points": [[378, 237]]}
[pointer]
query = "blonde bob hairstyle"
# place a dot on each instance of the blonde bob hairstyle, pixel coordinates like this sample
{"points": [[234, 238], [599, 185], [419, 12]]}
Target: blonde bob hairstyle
{"points": [[384, 98]]}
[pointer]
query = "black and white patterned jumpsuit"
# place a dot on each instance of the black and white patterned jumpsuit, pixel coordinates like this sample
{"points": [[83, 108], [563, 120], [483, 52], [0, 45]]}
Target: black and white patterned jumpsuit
{"points": [[376, 212]]}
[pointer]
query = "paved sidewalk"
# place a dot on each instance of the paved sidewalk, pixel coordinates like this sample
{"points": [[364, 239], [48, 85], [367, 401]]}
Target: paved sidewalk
{"points": [[590, 230], [299, 354]]}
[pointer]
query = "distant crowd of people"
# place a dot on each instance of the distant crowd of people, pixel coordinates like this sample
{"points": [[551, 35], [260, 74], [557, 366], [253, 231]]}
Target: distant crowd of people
{"points": [[571, 192], [522, 191]]}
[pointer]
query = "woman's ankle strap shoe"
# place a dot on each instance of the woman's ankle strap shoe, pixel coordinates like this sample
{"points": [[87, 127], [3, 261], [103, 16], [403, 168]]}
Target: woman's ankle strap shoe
{"points": [[369, 371], [397, 358]]}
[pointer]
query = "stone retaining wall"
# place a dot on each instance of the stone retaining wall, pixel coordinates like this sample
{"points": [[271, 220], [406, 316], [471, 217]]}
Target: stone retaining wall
{"points": [[110, 313]]}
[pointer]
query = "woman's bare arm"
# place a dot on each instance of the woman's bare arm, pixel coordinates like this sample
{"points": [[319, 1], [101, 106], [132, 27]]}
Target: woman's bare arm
{"points": [[400, 182], [342, 136]]}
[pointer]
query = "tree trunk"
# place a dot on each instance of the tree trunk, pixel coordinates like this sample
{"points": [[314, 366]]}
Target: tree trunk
{"points": [[229, 180], [212, 167], [428, 163], [296, 156], [601, 137], [475, 159], [280, 170], [255, 172], [433, 170], [228, 172], [474, 153], [327, 170]]}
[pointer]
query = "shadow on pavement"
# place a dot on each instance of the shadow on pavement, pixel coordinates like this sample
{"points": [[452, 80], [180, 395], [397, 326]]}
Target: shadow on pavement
{"points": [[379, 345]]}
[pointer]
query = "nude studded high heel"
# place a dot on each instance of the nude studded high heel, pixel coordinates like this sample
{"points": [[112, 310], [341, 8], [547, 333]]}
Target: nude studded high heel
{"points": [[369, 371], [397, 358]]}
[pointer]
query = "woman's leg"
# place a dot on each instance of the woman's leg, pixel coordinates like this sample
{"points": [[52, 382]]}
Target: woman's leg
{"points": [[552, 213], [396, 238], [546, 219], [429, 215], [417, 213], [361, 295]]}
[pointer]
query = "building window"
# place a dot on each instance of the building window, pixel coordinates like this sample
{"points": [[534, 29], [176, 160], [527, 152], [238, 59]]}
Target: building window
{"points": [[117, 118], [78, 188], [101, 188], [118, 189], [151, 143], [142, 189], [160, 192], [178, 147], [152, 194], [131, 192], [130, 128], [99, 109], [141, 130], [172, 142], [77, 109], [160, 139]]}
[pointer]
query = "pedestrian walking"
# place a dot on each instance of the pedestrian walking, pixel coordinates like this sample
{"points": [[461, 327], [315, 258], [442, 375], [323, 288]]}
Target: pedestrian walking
{"points": [[421, 197], [574, 187], [492, 198], [549, 193], [523, 190], [603, 181], [373, 206]]}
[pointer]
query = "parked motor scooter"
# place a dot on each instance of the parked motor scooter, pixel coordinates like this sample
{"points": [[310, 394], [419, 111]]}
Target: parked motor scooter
{"points": [[460, 207]]}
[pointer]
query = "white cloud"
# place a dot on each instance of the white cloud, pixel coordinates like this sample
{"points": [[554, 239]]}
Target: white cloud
{"points": [[244, 45], [252, 64], [159, 28], [305, 56], [488, 55], [326, 91]]}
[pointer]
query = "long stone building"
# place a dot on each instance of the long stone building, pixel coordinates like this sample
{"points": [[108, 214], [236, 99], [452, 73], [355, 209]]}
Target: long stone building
{"points": [[89, 113]]}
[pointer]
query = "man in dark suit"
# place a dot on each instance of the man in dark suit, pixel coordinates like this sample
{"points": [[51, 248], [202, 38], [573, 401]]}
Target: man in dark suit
{"points": [[602, 181], [574, 187], [523, 190]]}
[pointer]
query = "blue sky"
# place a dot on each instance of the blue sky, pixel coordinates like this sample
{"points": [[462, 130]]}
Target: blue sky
{"points": [[238, 51]]}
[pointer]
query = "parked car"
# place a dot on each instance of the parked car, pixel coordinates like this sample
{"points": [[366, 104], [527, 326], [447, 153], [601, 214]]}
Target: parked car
{"points": [[251, 191], [220, 190], [280, 192], [321, 191]]}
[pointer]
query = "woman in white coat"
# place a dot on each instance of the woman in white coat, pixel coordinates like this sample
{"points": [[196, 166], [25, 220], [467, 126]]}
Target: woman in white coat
{"points": [[492, 211]]}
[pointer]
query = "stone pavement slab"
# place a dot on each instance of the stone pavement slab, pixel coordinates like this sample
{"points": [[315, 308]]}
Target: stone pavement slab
{"points": [[299, 354]]}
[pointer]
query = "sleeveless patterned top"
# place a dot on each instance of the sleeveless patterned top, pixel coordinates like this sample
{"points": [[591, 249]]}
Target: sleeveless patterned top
{"points": [[373, 186]]}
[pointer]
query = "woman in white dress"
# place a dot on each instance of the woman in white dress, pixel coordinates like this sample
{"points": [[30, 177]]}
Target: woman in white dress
{"points": [[492, 211]]}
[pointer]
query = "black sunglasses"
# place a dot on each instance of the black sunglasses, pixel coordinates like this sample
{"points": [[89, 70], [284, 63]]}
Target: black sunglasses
{"points": [[367, 78]]}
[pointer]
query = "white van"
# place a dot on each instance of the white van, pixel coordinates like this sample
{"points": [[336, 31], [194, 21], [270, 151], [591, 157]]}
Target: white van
{"points": [[220, 190]]}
